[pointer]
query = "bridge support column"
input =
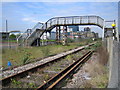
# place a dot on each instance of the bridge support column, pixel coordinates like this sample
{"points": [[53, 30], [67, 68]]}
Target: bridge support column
{"points": [[46, 41], [57, 35], [38, 42], [50, 36], [42, 40], [64, 35]]}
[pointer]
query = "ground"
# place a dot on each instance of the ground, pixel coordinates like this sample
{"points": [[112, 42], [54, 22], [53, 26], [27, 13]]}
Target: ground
{"points": [[93, 74]]}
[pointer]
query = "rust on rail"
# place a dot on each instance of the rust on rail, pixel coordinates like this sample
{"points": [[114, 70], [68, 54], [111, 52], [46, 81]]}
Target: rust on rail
{"points": [[51, 83]]}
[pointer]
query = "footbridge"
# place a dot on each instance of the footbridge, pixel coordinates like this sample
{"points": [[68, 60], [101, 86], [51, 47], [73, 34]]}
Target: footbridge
{"points": [[33, 36]]}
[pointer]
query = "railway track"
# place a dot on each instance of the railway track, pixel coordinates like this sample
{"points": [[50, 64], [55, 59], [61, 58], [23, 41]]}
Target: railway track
{"points": [[24, 73], [54, 81]]}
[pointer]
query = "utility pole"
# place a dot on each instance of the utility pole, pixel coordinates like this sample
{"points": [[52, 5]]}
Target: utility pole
{"points": [[7, 32], [6, 27]]}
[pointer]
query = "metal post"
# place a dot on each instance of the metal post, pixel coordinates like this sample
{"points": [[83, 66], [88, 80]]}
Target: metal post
{"points": [[42, 39], [46, 38], [37, 42], [56, 34], [6, 27], [64, 35], [8, 33], [114, 30], [59, 34], [103, 30], [50, 36]]}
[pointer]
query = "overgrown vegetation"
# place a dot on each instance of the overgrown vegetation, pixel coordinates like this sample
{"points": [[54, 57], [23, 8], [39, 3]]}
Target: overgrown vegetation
{"points": [[97, 68], [26, 58], [19, 84], [99, 76], [22, 56]]}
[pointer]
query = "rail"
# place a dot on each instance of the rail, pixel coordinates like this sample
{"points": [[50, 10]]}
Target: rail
{"points": [[50, 84]]}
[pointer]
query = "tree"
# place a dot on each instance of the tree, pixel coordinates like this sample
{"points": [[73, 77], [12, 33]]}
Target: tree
{"points": [[12, 36]]}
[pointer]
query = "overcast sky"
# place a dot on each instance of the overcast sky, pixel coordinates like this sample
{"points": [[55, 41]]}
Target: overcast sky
{"points": [[24, 15]]}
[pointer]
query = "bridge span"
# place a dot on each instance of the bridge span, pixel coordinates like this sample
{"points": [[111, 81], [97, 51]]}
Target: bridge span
{"points": [[33, 36]]}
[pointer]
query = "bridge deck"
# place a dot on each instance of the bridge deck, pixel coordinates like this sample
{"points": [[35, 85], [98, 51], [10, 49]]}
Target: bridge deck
{"points": [[40, 28]]}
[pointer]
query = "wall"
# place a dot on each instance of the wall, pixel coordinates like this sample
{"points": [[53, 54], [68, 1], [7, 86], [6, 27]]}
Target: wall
{"points": [[113, 48]]}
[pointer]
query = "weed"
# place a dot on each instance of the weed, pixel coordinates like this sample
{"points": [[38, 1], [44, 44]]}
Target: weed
{"points": [[31, 85], [46, 77], [69, 57], [16, 83], [25, 58]]}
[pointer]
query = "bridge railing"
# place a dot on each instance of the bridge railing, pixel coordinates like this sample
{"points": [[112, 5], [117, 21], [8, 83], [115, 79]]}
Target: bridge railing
{"points": [[35, 34], [25, 36], [76, 20]]}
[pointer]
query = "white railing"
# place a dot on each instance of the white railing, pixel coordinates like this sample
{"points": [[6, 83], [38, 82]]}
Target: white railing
{"points": [[22, 39], [40, 28]]}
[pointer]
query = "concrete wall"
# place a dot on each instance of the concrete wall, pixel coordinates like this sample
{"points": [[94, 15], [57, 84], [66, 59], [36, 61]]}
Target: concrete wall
{"points": [[113, 48]]}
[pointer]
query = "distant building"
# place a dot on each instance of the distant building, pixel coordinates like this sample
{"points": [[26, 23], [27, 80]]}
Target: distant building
{"points": [[4, 35], [87, 29], [75, 33], [73, 28], [86, 34]]}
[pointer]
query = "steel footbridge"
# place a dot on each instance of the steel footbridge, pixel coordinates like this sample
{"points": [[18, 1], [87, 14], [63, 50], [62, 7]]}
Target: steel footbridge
{"points": [[33, 36]]}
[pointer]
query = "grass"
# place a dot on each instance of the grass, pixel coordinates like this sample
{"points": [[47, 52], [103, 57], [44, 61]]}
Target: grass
{"points": [[11, 41], [22, 56]]}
